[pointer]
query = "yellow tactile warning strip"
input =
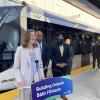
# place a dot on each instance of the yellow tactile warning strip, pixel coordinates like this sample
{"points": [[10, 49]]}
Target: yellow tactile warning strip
{"points": [[80, 70], [11, 95]]}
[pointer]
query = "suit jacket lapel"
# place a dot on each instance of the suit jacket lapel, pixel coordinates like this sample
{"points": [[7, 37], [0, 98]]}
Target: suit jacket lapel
{"points": [[58, 49], [27, 56]]}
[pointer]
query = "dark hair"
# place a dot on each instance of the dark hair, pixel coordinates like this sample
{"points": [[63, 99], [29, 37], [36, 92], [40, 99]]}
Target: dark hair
{"points": [[26, 37]]}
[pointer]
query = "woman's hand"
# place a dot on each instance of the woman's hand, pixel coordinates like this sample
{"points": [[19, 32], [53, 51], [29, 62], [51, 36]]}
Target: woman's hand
{"points": [[21, 83], [42, 78]]}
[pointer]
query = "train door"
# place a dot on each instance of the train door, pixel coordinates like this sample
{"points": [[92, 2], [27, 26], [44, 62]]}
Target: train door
{"points": [[45, 27]]}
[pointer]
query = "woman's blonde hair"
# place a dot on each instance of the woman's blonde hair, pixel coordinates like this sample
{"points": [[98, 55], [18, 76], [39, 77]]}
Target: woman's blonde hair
{"points": [[26, 37]]}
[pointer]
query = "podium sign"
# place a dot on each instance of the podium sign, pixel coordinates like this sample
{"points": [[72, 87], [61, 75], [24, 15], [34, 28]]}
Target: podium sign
{"points": [[51, 87]]}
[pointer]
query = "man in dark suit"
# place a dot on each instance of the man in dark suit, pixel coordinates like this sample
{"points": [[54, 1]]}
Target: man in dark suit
{"points": [[44, 51], [60, 58]]}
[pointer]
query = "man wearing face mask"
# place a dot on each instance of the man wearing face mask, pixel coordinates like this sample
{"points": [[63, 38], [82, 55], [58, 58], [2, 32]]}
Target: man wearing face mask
{"points": [[60, 58]]}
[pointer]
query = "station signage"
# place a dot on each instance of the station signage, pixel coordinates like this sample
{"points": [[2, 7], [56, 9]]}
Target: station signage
{"points": [[51, 87]]}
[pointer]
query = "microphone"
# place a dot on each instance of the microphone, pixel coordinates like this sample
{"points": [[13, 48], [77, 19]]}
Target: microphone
{"points": [[36, 61]]}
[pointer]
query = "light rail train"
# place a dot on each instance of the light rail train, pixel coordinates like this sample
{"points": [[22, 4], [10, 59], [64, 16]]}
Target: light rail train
{"points": [[14, 20]]}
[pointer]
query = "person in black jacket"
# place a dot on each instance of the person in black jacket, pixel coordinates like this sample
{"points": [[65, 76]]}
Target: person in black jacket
{"points": [[44, 51], [96, 54], [71, 49], [60, 58]]}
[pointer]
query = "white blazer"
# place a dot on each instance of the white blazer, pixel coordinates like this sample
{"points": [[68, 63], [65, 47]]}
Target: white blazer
{"points": [[22, 65]]}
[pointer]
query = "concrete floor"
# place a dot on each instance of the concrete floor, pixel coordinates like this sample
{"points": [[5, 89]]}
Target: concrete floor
{"points": [[86, 86]]}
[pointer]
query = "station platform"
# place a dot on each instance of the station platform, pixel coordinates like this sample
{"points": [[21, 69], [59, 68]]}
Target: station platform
{"points": [[85, 82], [86, 86]]}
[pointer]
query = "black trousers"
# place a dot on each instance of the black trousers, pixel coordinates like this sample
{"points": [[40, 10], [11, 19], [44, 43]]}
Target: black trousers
{"points": [[94, 61], [45, 72], [61, 71]]}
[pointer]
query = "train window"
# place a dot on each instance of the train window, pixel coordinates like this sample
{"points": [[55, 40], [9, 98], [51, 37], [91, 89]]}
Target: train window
{"points": [[82, 43], [76, 42]]}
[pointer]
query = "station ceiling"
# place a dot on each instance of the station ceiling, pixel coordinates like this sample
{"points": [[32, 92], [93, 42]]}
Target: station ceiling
{"points": [[90, 6]]}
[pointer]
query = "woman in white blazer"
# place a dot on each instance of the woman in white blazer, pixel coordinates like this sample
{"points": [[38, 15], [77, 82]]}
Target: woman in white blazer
{"points": [[26, 69]]}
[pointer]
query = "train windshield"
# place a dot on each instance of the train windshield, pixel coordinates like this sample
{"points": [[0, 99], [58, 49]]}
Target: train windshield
{"points": [[9, 34]]}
